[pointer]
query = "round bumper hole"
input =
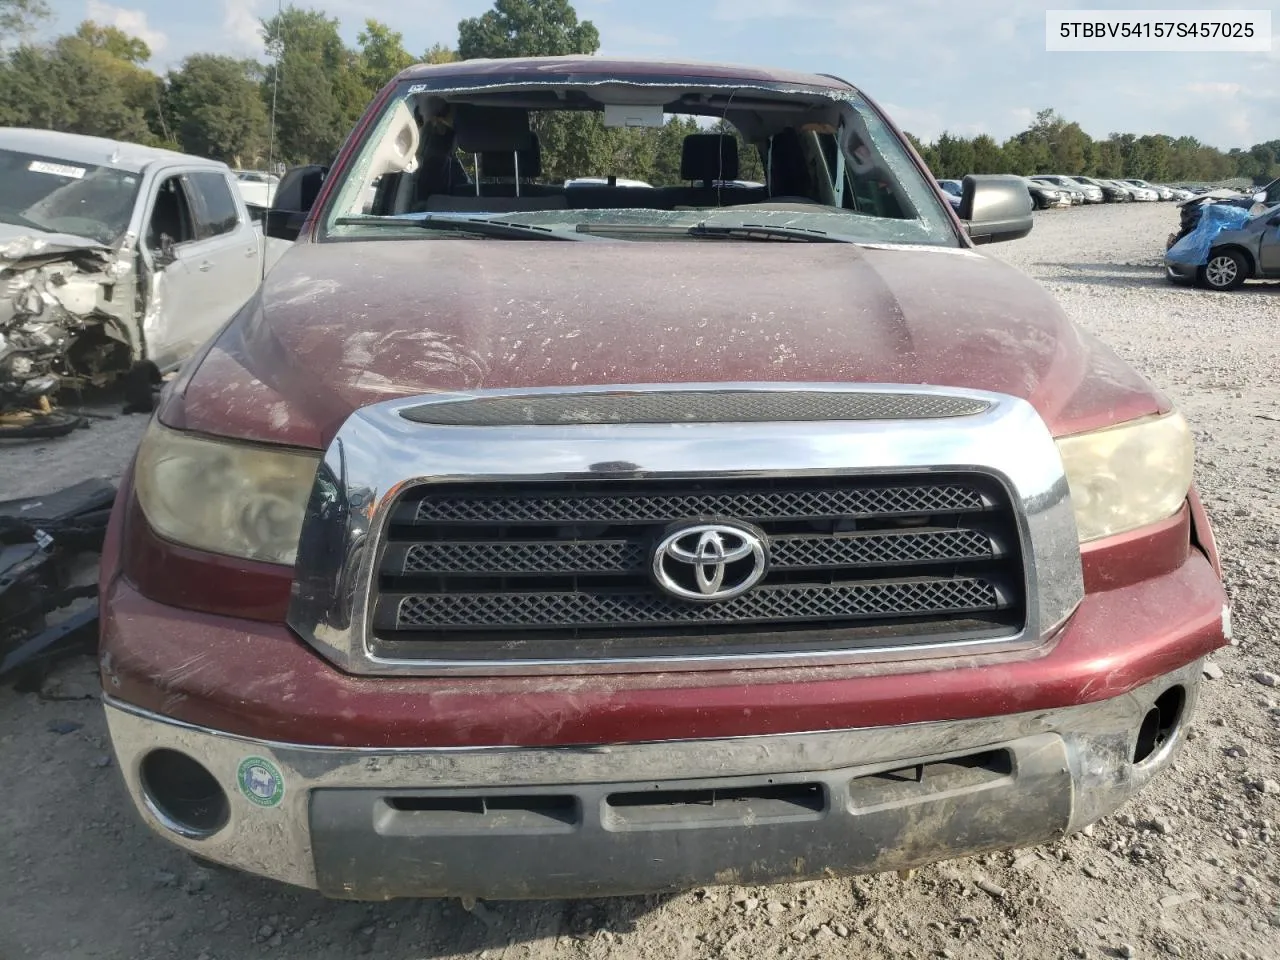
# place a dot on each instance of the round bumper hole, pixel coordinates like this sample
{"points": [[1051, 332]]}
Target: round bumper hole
{"points": [[1160, 724], [183, 795]]}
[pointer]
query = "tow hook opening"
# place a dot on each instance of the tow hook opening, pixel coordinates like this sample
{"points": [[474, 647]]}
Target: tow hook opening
{"points": [[184, 796], [1160, 724]]}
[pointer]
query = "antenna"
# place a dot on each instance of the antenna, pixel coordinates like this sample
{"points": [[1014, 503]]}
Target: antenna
{"points": [[275, 48]]}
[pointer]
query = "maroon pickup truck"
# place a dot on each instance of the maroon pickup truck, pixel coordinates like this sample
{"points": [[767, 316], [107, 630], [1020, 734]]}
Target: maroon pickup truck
{"points": [[635, 528]]}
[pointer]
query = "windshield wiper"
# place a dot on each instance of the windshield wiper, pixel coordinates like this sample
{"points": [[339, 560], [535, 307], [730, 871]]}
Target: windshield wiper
{"points": [[477, 226], [716, 231], [756, 231]]}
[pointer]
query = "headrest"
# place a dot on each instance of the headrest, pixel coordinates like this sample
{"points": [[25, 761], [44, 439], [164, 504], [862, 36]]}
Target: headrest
{"points": [[502, 163], [490, 129], [709, 156]]}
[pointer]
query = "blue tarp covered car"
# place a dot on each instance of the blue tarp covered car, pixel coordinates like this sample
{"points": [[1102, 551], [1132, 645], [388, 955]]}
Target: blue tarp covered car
{"points": [[1227, 247]]}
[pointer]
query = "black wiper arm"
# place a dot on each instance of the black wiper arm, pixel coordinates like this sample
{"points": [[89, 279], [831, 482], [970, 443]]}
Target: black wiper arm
{"points": [[756, 231], [478, 226], [729, 231]]}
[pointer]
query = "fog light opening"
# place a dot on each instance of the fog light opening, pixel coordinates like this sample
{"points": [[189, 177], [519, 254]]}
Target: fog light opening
{"points": [[183, 795], [1160, 724]]}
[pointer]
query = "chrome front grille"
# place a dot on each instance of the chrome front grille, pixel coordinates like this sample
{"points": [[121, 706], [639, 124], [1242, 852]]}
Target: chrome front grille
{"points": [[564, 569], [515, 531]]}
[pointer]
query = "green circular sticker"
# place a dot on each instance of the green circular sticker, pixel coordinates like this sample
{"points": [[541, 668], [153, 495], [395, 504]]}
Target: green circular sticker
{"points": [[260, 781]]}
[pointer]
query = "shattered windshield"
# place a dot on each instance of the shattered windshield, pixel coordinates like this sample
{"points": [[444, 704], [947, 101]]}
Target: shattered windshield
{"points": [[631, 160], [54, 195]]}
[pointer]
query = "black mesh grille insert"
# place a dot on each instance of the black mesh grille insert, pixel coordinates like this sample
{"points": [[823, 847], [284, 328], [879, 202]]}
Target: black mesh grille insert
{"points": [[640, 507], [493, 571], [616, 609], [691, 406]]}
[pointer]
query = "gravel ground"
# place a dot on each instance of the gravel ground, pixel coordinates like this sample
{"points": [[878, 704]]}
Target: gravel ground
{"points": [[1187, 869]]}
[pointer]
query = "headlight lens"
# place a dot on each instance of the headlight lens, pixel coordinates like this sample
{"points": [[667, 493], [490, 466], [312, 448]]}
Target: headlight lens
{"points": [[1128, 476], [221, 496]]}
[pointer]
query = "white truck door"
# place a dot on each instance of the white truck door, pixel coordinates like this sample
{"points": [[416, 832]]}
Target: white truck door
{"points": [[227, 255], [174, 298]]}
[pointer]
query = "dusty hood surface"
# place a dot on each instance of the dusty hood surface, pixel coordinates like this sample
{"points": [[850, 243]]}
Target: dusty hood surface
{"points": [[341, 325]]}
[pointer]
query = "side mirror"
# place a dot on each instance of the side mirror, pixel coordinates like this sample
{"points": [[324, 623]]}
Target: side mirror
{"points": [[995, 208], [165, 255], [294, 197]]}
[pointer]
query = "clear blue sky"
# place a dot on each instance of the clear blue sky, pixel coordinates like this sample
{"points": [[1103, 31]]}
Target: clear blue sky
{"points": [[977, 66]]}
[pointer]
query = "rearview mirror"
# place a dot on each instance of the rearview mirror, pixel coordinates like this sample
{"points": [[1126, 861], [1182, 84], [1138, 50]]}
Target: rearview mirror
{"points": [[294, 197], [995, 208]]}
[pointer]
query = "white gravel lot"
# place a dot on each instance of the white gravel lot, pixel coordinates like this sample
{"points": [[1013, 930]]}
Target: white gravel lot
{"points": [[1188, 869]]}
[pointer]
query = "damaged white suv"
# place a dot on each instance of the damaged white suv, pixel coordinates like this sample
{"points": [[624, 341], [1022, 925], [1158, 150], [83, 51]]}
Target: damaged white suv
{"points": [[115, 259]]}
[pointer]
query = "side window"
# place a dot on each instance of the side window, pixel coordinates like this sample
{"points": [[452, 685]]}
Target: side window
{"points": [[218, 212], [171, 218]]}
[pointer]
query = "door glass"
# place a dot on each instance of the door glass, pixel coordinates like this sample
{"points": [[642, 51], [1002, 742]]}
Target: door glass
{"points": [[170, 216], [219, 214]]}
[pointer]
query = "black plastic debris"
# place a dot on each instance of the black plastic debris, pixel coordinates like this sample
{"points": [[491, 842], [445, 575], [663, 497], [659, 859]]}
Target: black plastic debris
{"points": [[47, 563]]}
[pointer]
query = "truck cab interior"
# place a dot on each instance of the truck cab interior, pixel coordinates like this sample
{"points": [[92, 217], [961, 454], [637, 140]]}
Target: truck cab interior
{"points": [[486, 155]]}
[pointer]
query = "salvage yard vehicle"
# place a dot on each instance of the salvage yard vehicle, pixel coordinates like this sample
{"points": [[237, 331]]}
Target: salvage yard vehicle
{"points": [[1046, 194], [1074, 192], [115, 259], [517, 541], [1092, 190], [954, 192], [1111, 192], [1250, 251]]}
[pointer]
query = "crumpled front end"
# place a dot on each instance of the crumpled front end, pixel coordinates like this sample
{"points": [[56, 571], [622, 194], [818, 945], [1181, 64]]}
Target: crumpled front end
{"points": [[67, 314]]}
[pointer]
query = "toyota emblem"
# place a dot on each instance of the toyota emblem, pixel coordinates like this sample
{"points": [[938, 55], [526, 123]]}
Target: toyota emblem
{"points": [[710, 561]]}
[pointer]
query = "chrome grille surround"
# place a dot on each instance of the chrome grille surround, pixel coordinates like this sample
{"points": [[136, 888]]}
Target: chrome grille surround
{"points": [[378, 455]]}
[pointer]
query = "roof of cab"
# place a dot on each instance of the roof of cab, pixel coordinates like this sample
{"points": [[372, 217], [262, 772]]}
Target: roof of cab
{"points": [[95, 151], [533, 68]]}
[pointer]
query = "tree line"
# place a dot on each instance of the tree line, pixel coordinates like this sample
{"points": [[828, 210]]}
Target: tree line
{"points": [[95, 81], [1051, 144]]}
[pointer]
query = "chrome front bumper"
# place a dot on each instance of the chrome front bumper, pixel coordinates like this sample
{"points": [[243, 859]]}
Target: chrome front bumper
{"points": [[632, 818]]}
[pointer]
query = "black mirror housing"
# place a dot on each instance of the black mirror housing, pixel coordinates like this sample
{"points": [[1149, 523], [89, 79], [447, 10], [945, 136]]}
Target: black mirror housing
{"points": [[292, 202], [995, 208]]}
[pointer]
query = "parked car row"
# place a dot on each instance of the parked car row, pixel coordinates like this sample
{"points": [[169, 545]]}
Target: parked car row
{"points": [[1060, 190]]}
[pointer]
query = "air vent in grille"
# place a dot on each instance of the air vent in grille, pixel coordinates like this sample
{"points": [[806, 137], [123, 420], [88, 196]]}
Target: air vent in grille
{"points": [[490, 571], [692, 406]]}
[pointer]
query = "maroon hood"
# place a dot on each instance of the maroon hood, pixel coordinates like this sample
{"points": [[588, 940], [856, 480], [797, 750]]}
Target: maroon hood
{"points": [[341, 325]]}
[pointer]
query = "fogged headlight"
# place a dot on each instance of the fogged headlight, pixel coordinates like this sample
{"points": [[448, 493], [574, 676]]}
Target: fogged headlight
{"points": [[1128, 476], [222, 496]]}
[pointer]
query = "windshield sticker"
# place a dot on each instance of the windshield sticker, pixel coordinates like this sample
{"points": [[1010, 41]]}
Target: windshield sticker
{"points": [[57, 169]]}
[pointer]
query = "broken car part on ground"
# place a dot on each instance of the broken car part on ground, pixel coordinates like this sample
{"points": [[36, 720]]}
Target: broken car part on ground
{"points": [[48, 551]]}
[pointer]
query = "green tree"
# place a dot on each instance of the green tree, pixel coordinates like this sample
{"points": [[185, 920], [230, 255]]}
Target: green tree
{"points": [[215, 106], [1070, 149], [987, 155], [381, 55], [955, 156], [114, 42], [1108, 159], [572, 144], [320, 93], [439, 53], [18, 18], [1016, 158], [927, 153], [74, 87], [527, 28]]}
